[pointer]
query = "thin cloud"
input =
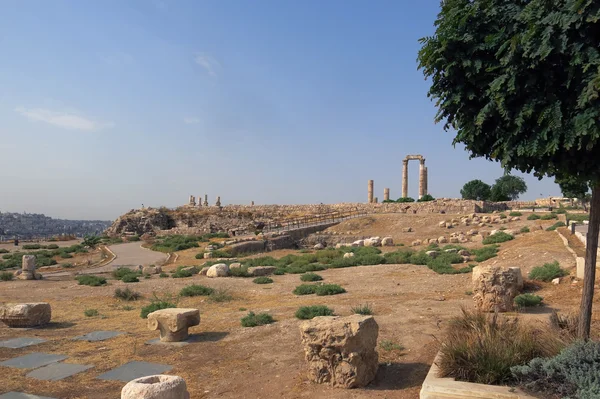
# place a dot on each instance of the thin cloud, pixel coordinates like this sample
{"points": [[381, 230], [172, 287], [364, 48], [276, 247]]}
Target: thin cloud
{"points": [[64, 120], [191, 120], [209, 64]]}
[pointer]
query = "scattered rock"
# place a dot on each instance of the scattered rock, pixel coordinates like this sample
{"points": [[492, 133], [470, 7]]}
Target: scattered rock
{"points": [[22, 315], [495, 288], [204, 271], [358, 243], [433, 254], [416, 243], [349, 255], [387, 242], [407, 229], [261, 270], [442, 240], [218, 270], [464, 252], [235, 265], [152, 270], [208, 255], [319, 246], [556, 281], [156, 387]]}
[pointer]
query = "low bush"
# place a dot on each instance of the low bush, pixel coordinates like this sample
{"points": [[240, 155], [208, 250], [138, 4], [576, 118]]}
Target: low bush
{"points": [[254, 320], [578, 217], [221, 253], [196, 290], [497, 238], [182, 273], [420, 258], [175, 243], [560, 211], [426, 198], [309, 312], [6, 276], [239, 272], [398, 257], [130, 278], [91, 280], [163, 275], [329, 289], [525, 229], [4, 251], [528, 300], [362, 309], [65, 255], [549, 216], [515, 214], [547, 272], [220, 295], [502, 216], [155, 305], [133, 238], [121, 272], [127, 294], [534, 216], [405, 199], [573, 373], [388, 346], [262, 280], [310, 277], [556, 226], [91, 312], [485, 253], [67, 265], [482, 348], [32, 246], [305, 289]]}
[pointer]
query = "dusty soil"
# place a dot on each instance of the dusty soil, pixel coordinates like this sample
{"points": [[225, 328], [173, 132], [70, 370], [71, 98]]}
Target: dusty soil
{"points": [[412, 305]]}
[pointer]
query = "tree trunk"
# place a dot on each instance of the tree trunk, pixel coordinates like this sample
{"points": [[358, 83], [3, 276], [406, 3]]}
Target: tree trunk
{"points": [[589, 277]]}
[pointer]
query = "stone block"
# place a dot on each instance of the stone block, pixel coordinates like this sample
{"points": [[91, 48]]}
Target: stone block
{"points": [[25, 314], [156, 387], [340, 351], [387, 242], [261, 270], [152, 270], [580, 267], [173, 323], [495, 288]]}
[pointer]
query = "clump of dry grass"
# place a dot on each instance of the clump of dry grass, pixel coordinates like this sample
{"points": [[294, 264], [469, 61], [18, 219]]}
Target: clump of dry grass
{"points": [[482, 348]]}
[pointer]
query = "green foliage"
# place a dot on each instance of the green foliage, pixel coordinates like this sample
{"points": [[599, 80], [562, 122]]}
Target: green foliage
{"points": [[218, 253], [572, 187], [547, 272], [6, 276], [329, 289], [573, 373], [388, 346], [121, 272], [182, 273], [405, 199], [400, 257], [262, 280], [364, 310], [497, 238], [163, 275], [4, 251], [175, 243], [127, 294], [31, 246], [127, 307], [196, 290], [311, 277], [508, 188], [549, 216], [220, 295], [91, 312], [130, 278], [254, 320], [240, 272], [66, 255], [578, 217], [305, 289], [528, 300], [420, 258], [442, 264], [309, 312], [525, 229], [90, 241], [133, 238], [426, 198], [534, 216], [556, 226], [155, 305], [91, 280], [476, 190]]}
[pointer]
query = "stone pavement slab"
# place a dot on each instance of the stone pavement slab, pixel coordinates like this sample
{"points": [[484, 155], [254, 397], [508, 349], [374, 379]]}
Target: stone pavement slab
{"points": [[16, 343], [57, 371], [21, 395], [33, 360], [98, 336], [132, 370]]}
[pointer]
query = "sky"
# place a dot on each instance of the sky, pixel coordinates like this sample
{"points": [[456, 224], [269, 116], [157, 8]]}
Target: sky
{"points": [[108, 105]]}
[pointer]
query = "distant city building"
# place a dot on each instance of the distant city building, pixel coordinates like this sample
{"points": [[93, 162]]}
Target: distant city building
{"points": [[31, 225]]}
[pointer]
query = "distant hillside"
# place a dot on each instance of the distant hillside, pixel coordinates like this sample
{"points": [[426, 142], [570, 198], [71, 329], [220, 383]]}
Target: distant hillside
{"points": [[32, 225]]}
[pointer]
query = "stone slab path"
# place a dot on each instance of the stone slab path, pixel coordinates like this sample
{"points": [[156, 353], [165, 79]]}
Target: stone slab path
{"points": [[21, 395], [57, 371], [33, 360], [17, 343], [95, 336], [132, 370]]}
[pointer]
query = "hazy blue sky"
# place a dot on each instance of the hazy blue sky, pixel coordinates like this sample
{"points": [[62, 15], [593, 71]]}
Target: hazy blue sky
{"points": [[105, 105]]}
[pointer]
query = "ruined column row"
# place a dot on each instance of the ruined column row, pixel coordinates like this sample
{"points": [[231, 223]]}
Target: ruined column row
{"points": [[192, 201], [371, 199], [423, 180]]}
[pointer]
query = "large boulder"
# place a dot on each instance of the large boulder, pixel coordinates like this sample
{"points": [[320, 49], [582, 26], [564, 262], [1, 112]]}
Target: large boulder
{"points": [[173, 323], [152, 270], [372, 242], [358, 243], [156, 387], [261, 270], [218, 270], [387, 242], [340, 351], [25, 314], [495, 288], [319, 246]]}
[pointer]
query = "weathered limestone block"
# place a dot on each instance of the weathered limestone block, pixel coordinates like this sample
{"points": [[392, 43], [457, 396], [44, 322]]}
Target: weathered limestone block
{"points": [[204, 271], [208, 255], [495, 288], [442, 224], [416, 243], [319, 246], [442, 240], [27, 271], [358, 243], [349, 255], [235, 265], [433, 254], [173, 323], [340, 351], [261, 270], [218, 270], [156, 387], [372, 242], [152, 270], [25, 314], [387, 242], [517, 272]]}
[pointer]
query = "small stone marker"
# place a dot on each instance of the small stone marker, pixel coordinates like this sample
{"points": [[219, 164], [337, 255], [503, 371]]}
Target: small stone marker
{"points": [[173, 323], [57, 371], [156, 386], [132, 370], [98, 336], [27, 271], [22, 342], [25, 314], [33, 360], [21, 395]]}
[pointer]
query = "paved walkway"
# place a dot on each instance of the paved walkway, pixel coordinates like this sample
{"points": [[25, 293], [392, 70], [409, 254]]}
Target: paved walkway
{"points": [[130, 254]]}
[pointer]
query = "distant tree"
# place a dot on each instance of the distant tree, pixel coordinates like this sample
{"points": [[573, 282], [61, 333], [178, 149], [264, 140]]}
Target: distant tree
{"points": [[90, 241], [508, 188], [519, 82], [574, 188], [476, 190]]}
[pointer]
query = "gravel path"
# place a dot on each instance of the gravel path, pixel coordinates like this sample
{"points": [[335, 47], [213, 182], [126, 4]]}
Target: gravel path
{"points": [[130, 254]]}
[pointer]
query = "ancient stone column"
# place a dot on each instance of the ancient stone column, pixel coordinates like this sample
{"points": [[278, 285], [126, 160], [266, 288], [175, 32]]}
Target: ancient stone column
{"points": [[371, 184], [386, 194], [205, 199], [192, 200], [199, 200], [218, 203], [426, 188], [422, 179], [405, 178]]}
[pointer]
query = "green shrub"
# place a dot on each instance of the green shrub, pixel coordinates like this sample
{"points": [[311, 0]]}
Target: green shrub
{"points": [[239, 272], [305, 289], [547, 272], [254, 320], [442, 264], [482, 348], [329, 289], [32, 246], [175, 243], [311, 277], [426, 198], [196, 290], [528, 300], [127, 307], [362, 309], [578, 217], [6, 276], [525, 229], [388, 346], [502, 216], [121, 272], [308, 312], [534, 216], [154, 306], [419, 258], [130, 278], [133, 238], [497, 238], [262, 280], [573, 373], [127, 294], [549, 216], [219, 253], [405, 199], [515, 213], [560, 211], [398, 257], [279, 272], [556, 226], [163, 275], [220, 295], [182, 273], [485, 253], [67, 265], [4, 251], [91, 280], [91, 312]]}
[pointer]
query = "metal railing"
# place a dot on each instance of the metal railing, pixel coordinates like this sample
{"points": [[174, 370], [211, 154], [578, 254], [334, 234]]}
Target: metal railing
{"points": [[311, 220]]}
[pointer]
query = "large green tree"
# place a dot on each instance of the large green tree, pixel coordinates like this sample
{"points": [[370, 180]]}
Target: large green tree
{"points": [[476, 190], [508, 188], [518, 82], [574, 188]]}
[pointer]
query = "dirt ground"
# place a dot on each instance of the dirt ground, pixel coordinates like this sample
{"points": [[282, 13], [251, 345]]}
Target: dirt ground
{"points": [[412, 304]]}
